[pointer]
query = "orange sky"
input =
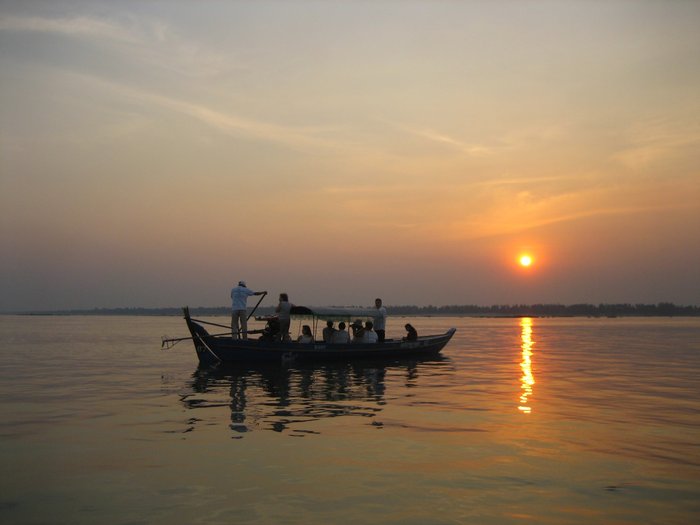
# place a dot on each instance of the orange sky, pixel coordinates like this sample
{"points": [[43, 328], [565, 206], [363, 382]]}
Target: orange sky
{"points": [[154, 154]]}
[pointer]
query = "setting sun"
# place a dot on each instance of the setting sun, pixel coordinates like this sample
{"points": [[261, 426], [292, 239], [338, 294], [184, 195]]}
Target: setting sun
{"points": [[525, 260]]}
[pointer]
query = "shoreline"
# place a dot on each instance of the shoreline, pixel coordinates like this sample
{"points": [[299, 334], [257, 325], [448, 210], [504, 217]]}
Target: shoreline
{"points": [[395, 315]]}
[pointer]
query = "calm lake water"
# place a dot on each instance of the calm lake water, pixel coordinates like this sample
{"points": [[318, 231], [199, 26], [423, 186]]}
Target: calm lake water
{"points": [[522, 421]]}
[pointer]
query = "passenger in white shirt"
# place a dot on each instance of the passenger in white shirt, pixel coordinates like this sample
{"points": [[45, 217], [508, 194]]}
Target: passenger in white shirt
{"points": [[306, 335], [369, 335], [341, 335]]}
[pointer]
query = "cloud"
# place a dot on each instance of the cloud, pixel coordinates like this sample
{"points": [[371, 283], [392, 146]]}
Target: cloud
{"points": [[522, 181], [497, 227], [224, 122], [654, 140], [163, 50], [474, 150], [148, 41], [76, 26], [523, 211], [537, 222]]}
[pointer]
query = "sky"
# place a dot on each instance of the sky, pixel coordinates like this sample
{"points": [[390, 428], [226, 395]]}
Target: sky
{"points": [[152, 154]]}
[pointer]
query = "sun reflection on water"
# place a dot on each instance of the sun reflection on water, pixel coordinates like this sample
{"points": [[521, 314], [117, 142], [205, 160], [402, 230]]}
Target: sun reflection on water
{"points": [[527, 379]]}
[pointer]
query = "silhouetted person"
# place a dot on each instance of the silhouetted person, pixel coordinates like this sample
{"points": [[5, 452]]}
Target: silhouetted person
{"points": [[369, 335], [380, 320], [341, 336], [411, 334], [306, 335], [271, 332], [284, 309], [328, 332], [357, 331]]}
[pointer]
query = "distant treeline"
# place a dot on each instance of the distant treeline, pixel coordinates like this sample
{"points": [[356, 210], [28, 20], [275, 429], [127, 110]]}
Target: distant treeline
{"points": [[552, 310], [516, 310]]}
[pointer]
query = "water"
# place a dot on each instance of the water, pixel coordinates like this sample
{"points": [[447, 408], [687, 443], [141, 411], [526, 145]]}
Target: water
{"points": [[522, 421]]}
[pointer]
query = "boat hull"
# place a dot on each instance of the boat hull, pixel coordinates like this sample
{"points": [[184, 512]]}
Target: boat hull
{"points": [[214, 350]]}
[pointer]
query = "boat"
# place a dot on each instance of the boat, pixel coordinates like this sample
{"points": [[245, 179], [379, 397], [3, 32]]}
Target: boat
{"points": [[216, 349]]}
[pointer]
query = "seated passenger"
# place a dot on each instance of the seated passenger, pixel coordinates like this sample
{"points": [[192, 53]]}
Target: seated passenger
{"points": [[358, 331], [411, 334], [306, 335], [369, 335], [271, 330], [328, 332], [340, 336]]}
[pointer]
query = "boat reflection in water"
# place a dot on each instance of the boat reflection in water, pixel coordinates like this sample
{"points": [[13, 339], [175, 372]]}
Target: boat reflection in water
{"points": [[273, 397], [527, 379]]}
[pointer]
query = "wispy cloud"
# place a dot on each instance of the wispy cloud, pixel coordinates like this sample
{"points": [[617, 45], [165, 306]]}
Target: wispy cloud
{"points": [[470, 149], [162, 48], [521, 181], [525, 223], [141, 40], [224, 122], [654, 140], [524, 211], [476, 150], [234, 124], [75, 26]]}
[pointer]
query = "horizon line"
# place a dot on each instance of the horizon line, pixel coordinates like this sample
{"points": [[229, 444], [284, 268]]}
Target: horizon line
{"points": [[127, 309]]}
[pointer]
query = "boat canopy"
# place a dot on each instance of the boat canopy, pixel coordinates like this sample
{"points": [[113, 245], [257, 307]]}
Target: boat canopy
{"points": [[333, 312]]}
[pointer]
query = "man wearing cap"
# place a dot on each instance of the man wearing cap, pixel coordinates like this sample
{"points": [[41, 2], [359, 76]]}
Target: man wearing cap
{"points": [[239, 318]]}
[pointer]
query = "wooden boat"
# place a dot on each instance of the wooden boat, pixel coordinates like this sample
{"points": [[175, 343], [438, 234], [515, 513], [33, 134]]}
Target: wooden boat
{"points": [[215, 349]]}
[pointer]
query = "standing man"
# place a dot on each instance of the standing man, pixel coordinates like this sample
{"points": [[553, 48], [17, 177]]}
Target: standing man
{"points": [[284, 312], [239, 317], [380, 320]]}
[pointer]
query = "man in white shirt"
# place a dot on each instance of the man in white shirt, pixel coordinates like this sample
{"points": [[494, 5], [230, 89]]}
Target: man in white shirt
{"points": [[380, 320], [239, 317]]}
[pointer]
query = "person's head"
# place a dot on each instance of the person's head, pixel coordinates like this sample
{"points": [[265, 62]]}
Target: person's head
{"points": [[329, 324], [369, 325], [341, 325], [241, 283], [284, 297], [409, 327], [306, 329], [378, 302]]}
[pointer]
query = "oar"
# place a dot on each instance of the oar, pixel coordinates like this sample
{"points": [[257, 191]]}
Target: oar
{"points": [[169, 342], [256, 306], [209, 323]]}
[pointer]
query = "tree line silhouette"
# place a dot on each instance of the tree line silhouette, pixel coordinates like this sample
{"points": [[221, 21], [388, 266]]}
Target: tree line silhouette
{"points": [[553, 310], [502, 310]]}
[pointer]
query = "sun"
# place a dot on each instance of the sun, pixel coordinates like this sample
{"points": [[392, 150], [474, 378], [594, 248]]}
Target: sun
{"points": [[525, 261]]}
